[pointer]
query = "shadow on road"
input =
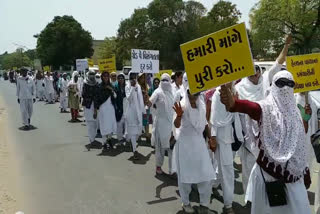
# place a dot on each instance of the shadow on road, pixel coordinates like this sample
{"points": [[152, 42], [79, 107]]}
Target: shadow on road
{"points": [[167, 181], [31, 127], [142, 159]]}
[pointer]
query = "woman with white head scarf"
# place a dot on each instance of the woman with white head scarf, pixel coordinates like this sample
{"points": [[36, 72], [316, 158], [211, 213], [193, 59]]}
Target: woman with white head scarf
{"points": [[222, 129], [191, 160], [74, 97], [133, 113], [49, 88], [282, 149], [162, 97]]}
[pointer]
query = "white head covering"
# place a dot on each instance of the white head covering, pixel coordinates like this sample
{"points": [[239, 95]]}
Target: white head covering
{"points": [[249, 91], [165, 90], [196, 116], [282, 133]]}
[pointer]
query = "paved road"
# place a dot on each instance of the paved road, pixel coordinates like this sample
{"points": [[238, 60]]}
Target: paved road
{"points": [[57, 174]]}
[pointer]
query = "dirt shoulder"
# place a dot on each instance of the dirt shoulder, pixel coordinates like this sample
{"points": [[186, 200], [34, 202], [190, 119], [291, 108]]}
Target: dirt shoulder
{"points": [[9, 202]]}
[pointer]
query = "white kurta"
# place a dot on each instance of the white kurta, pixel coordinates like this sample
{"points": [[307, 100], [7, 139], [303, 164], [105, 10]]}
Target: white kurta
{"points": [[107, 118], [191, 159], [297, 196], [134, 110], [64, 94], [40, 89]]}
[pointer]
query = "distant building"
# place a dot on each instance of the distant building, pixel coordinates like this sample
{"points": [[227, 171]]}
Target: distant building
{"points": [[95, 45]]}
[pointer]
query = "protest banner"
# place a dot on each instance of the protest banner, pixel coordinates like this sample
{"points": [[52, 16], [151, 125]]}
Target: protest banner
{"points": [[90, 62], [82, 64], [218, 58], [305, 70], [145, 61], [46, 68], [108, 65], [158, 75]]}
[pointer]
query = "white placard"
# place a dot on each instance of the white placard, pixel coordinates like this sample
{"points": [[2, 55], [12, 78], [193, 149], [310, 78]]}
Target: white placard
{"points": [[82, 64], [145, 61]]}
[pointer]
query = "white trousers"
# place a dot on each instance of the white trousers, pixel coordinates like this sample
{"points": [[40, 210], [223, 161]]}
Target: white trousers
{"points": [[247, 161], [120, 129], [204, 189], [133, 139], [63, 102], [26, 108], [50, 97], [40, 94], [224, 156], [92, 130], [160, 153]]}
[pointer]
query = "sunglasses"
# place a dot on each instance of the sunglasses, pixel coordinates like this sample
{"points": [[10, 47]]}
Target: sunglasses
{"points": [[280, 83]]}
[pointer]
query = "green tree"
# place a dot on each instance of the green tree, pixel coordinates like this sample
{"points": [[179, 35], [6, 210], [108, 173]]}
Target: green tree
{"points": [[272, 19], [16, 59], [108, 48], [63, 41]]}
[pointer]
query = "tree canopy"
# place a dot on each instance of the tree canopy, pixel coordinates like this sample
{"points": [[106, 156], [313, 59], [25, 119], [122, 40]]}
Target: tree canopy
{"points": [[18, 59], [63, 41], [272, 19], [166, 24]]}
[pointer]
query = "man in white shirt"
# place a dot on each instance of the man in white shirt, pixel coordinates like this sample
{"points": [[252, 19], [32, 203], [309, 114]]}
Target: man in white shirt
{"points": [[64, 93], [26, 93], [176, 85]]}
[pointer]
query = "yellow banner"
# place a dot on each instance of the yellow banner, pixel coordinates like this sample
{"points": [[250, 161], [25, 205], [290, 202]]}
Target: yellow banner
{"points": [[218, 58], [306, 71], [46, 68], [158, 75], [107, 64], [90, 62]]}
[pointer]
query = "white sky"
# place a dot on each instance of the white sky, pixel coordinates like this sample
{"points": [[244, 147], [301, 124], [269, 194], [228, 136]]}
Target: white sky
{"points": [[21, 19]]}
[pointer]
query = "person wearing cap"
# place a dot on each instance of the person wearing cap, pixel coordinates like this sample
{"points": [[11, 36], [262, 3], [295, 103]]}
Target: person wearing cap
{"points": [[89, 91], [133, 112], [113, 79], [63, 88], [191, 160], [104, 102], [120, 89], [49, 88], [255, 88], [26, 93], [163, 99]]}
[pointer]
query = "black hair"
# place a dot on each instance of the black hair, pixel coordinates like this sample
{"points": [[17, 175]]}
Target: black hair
{"points": [[178, 74]]}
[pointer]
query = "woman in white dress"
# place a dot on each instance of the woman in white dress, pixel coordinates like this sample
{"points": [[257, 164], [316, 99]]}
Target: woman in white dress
{"points": [[282, 149], [104, 102], [133, 112], [191, 160]]}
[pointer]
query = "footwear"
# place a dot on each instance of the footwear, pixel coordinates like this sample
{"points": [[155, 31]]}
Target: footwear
{"points": [[228, 210], [25, 128], [88, 146], [61, 111], [78, 121], [136, 155], [159, 170], [187, 208], [203, 210]]}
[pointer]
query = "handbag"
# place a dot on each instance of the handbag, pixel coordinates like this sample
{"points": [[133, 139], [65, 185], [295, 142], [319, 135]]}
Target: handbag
{"points": [[276, 191]]}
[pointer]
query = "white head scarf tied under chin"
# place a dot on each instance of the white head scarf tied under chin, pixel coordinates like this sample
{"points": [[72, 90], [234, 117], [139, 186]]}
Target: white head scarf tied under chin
{"points": [[282, 133]]}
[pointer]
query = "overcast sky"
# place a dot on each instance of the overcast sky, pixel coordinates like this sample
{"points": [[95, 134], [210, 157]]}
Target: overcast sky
{"points": [[21, 19]]}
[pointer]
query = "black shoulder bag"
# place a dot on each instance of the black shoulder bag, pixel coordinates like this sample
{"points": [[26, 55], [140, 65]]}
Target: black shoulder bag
{"points": [[276, 191], [237, 143]]}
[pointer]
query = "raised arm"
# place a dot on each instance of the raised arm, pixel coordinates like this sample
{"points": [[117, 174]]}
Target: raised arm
{"points": [[242, 106]]}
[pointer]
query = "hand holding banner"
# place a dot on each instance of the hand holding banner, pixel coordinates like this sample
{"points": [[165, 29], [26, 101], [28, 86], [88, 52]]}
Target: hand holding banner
{"points": [[218, 58]]}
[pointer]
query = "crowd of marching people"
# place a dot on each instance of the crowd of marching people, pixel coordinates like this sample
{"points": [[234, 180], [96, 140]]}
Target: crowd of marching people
{"points": [[259, 118]]}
